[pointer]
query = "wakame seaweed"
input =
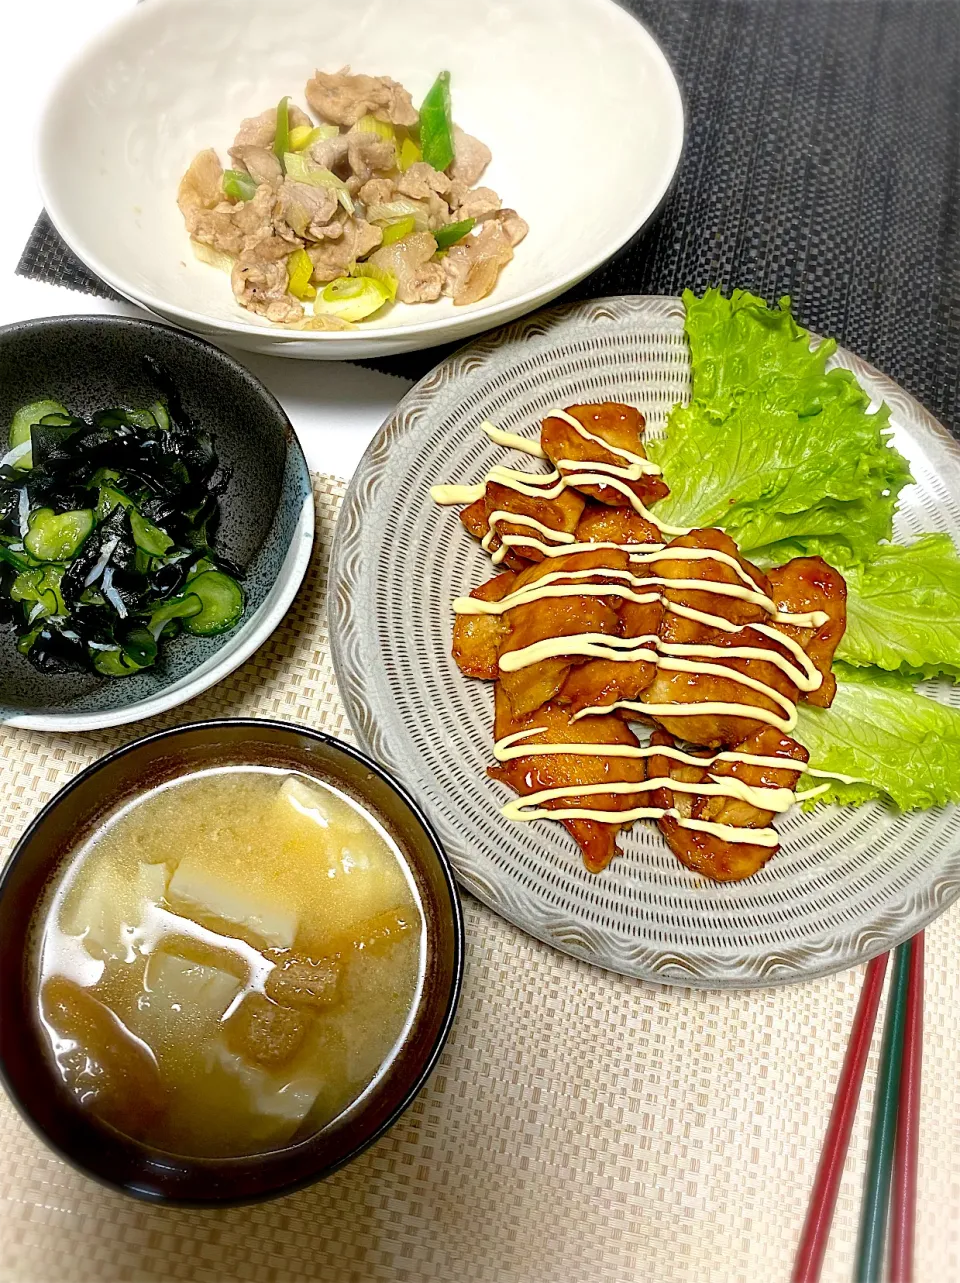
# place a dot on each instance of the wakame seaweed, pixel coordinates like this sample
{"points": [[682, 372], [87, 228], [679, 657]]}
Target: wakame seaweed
{"points": [[107, 527]]}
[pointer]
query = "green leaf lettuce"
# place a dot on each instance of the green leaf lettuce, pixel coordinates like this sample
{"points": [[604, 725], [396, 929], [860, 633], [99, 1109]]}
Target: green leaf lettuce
{"points": [[903, 744]]}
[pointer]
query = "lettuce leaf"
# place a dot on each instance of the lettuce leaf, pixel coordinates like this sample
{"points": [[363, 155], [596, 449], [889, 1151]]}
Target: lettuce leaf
{"points": [[903, 608], [737, 343], [903, 744], [773, 446]]}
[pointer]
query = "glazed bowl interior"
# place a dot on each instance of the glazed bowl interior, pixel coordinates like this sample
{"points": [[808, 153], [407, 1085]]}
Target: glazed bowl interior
{"points": [[29, 1077], [574, 97], [266, 523]]}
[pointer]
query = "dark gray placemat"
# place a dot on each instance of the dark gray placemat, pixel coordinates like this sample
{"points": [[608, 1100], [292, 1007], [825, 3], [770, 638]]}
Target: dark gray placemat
{"points": [[822, 160]]}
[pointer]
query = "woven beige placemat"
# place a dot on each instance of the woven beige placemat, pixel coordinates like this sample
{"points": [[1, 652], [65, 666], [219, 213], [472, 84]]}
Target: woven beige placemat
{"points": [[579, 1126]]}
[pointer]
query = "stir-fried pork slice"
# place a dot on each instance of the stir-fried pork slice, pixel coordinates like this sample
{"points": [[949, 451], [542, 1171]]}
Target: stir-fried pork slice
{"points": [[331, 153], [420, 180], [232, 228], [476, 638], [260, 131], [201, 187], [525, 775], [369, 154], [804, 585], [560, 514], [555, 616], [515, 228], [701, 687], [473, 264], [342, 98], [418, 280], [621, 426], [600, 523], [478, 203], [262, 287], [470, 158], [305, 209], [706, 853], [332, 258], [260, 163], [377, 191]]}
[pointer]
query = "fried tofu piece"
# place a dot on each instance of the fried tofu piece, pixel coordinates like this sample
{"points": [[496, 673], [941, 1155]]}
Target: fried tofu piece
{"points": [[476, 638], [262, 1031], [713, 856], [806, 584], [621, 426], [526, 775], [529, 687], [300, 982], [103, 1065]]}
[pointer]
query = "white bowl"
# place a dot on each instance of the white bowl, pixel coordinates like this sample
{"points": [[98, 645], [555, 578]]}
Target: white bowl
{"points": [[574, 97]]}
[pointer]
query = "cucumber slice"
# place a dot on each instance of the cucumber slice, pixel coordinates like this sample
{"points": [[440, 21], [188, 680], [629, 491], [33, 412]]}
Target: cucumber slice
{"points": [[222, 600], [55, 536], [113, 663], [40, 587], [23, 421], [25, 643], [14, 559], [110, 497], [140, 646], [142, 419], [148, 536], [162, 415], [183, 607]]}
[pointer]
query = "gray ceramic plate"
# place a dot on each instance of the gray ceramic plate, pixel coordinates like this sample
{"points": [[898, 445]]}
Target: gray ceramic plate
{"points": [[267, 516], [847, 884]]}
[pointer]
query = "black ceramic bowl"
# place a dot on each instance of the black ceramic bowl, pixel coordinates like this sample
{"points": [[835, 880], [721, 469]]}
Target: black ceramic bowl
{"points": [[266, 528], [27, 1072]]}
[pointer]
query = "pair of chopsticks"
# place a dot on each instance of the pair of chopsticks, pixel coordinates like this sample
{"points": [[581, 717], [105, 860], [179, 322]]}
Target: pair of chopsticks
{"points": [[890, 1188]]}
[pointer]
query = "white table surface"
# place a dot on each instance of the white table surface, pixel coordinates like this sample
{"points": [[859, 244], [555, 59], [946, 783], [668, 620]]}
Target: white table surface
{"points": [[335, 407]]}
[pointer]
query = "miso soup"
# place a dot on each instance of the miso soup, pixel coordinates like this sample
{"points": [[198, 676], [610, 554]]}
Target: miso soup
{"points": [[229, 961]]}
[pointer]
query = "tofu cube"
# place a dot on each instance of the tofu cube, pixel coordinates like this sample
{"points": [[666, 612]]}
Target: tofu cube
{"points": [[109, 909], [214, 898]]}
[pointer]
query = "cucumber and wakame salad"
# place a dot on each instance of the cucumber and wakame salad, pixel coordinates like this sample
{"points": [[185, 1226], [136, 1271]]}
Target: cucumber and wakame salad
{"points": [[106, 532]]}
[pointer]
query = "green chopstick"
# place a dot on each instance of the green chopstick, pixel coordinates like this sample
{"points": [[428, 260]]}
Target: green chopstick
{"points": [[876, 1192]]}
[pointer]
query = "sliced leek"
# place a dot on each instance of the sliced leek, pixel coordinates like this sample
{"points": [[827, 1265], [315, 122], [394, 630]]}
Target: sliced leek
{"points": [[213, 257], [396, 231], [301, 170], [380, 274], [351, 298], [299, 271], [304, 136]]}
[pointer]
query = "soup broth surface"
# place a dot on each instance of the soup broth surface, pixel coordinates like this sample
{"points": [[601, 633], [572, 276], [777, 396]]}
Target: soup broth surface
{"points": [[229, 961]]}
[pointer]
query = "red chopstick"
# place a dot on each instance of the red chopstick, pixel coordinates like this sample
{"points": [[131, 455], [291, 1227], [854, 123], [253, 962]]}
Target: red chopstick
{"points": [[826, 1185], [903, 1191]]}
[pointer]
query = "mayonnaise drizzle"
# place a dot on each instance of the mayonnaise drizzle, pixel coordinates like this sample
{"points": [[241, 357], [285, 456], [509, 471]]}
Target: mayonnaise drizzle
{"points": [[650, 648], [511, 746], [520, 519], [653, 469], [632, 649], [512, 441], [548, 586], [764, 797]]}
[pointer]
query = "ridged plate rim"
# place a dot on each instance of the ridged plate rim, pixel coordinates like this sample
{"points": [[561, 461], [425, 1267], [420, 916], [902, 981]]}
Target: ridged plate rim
{"points": [[352, 576]]}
